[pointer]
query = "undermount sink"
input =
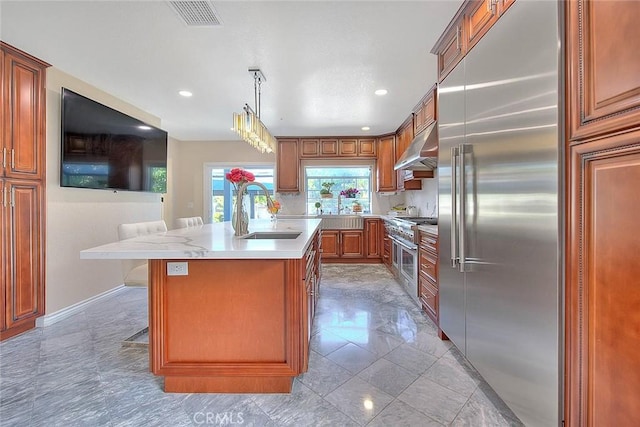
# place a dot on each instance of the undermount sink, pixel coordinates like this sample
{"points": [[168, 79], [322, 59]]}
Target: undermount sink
{"points": [[273, 235], [342, 222]]}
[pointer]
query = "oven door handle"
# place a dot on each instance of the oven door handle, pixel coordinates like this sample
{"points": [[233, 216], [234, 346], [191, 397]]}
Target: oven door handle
{"points": [[404, 244]]}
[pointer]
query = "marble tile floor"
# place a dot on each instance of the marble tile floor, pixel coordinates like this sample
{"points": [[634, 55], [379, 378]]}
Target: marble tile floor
{"points": [[376, 361]]}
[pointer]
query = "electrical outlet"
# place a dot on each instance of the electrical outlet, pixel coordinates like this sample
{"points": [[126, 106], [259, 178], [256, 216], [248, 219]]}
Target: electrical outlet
{"points": [[177, 269]]}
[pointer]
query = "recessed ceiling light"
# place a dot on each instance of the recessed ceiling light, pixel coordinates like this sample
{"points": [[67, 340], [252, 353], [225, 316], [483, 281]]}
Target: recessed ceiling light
{"points": [[381, 92], [185, 93], [366, 128], [144, 127]]}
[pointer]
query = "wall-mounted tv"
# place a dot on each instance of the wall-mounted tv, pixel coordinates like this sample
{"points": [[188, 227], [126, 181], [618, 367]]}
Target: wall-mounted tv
{"points": [[106, 149]]}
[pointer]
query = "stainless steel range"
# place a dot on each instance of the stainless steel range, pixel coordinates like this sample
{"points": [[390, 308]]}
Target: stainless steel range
{"points": [[403, 232]]}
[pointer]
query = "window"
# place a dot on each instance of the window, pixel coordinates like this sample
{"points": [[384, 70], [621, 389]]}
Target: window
{"points": [[222, 197], [342, 177]]}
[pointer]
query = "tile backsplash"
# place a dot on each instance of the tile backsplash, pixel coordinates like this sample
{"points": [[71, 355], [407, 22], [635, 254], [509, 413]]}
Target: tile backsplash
{"points": [[426, 200]]}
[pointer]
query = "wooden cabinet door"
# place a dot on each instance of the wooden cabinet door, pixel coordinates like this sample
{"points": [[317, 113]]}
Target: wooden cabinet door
{"points": [[309, 148], [480, 15], [424, 113], [24, 115], [373, 241], [429, 107], [4, 261], [404, 137], [288, 166], [367, 147], [450, 48], [385, 162], [329, 147], [603, 286], [351, 243], [348, 147], [603, 66], [330, 243], [24, 291]]}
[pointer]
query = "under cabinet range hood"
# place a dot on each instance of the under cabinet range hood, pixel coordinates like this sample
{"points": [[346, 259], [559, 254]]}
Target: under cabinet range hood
{"points": [[422, 153]]}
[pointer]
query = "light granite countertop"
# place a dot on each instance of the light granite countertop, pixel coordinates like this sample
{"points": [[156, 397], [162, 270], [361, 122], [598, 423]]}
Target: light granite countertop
{"points": [[433, 229], [212, 241]]}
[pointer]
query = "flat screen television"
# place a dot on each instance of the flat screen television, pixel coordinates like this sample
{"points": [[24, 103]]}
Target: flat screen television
{"points": [[105, 149]]}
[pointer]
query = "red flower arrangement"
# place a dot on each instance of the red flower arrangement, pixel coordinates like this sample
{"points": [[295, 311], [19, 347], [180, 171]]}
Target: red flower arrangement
{"points": [[238, 176]]}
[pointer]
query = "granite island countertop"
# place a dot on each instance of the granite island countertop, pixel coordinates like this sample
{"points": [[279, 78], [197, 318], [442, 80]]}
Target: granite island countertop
{"points": [[212, 241]]}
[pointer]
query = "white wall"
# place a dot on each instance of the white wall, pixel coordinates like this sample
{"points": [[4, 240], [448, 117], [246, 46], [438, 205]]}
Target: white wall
{"points": [[81, 218]]}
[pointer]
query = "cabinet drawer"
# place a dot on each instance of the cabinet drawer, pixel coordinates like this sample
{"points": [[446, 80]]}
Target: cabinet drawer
{"points": [[429, 297], [428, 242], [428, 266]]}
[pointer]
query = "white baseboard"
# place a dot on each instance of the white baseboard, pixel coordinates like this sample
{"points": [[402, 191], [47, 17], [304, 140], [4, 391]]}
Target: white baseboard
{"points": [[50, 319]]}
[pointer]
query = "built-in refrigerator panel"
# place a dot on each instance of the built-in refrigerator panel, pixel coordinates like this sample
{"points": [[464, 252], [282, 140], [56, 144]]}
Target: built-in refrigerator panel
{"points": [[451, 131], [507, 189]]}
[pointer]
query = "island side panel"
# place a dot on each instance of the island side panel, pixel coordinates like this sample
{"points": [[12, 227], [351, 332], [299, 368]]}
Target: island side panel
{"points": [[228, 326]]}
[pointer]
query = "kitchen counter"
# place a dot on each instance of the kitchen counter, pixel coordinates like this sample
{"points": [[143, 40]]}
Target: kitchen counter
{"points": [[212, 241], [236, 317], [432, 229]]}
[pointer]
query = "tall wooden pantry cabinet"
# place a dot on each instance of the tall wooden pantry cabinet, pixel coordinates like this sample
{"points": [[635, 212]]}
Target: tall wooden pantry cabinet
{"points": [[602, 324], [22, 185]]}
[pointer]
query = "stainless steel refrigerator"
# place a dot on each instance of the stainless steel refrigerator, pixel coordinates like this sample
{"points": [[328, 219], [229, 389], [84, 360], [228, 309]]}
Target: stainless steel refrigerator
{"points": [[499, 209]]}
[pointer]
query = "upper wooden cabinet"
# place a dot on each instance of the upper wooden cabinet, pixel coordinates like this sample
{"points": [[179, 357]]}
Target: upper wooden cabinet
{"points": [[309, 147], [386, 161], [451, 47], [367, 147], [480, 16], [328, 147], [603, 66], [314, 148], [23, 114], [348, 147], [404, 135], [470, 23], [288, 166], [425, 112]]}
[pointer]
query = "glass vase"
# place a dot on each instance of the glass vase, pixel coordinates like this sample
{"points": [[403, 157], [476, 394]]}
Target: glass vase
{"points": [[241, 228]]}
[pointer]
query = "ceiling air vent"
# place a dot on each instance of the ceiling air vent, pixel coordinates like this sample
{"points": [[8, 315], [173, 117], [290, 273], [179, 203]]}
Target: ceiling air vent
{"points": [[196, 13]]}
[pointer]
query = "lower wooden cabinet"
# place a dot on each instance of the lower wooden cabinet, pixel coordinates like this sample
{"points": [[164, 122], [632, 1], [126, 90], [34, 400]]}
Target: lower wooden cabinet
{"points": [[342, 244], [386, 249], [311, 279], [22, 255], [373, 238], [428, 288], [354, 246]]}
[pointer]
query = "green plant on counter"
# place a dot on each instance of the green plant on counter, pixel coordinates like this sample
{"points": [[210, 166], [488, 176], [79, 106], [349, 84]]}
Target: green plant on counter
{"points": [[326, 189]]}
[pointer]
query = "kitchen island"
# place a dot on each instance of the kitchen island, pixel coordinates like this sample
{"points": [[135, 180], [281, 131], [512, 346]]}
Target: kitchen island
{"points": [[227, 314]]}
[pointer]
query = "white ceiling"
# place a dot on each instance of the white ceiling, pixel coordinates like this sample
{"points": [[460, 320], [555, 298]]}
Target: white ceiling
{"points": [[322, 60]]}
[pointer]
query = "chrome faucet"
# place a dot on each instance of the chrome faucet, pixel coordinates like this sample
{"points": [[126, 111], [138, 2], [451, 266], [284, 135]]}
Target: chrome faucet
{"points": [[242, 227], [339, 204]]}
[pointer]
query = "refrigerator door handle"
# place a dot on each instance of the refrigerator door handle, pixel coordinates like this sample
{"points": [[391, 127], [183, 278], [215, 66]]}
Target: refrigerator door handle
{"points": [[454, 207], [461, 226]]}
